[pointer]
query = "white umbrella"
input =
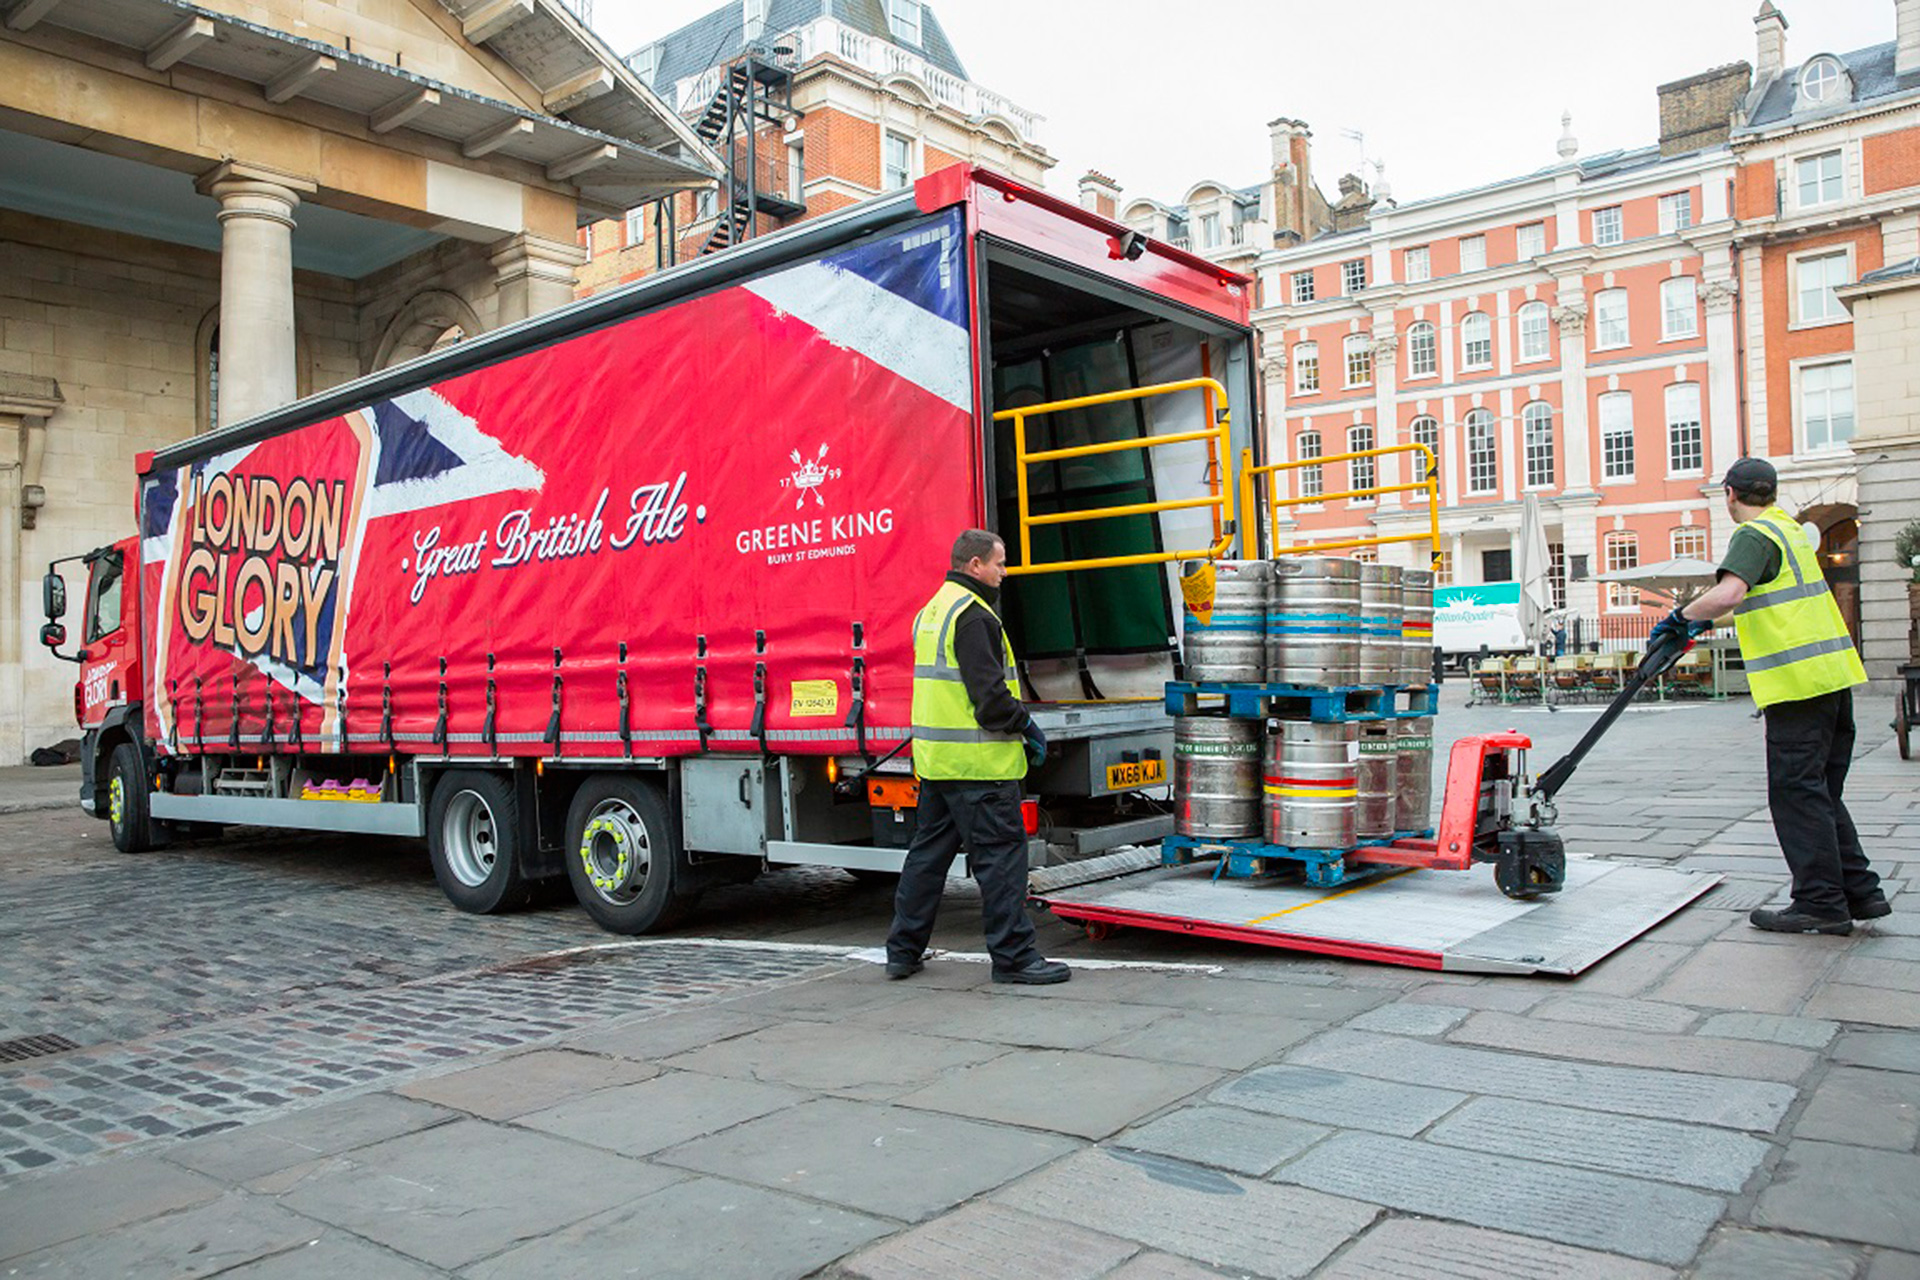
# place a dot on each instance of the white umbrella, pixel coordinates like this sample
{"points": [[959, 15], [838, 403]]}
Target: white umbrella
{"points": [[1679, 580], [1533, 569]]}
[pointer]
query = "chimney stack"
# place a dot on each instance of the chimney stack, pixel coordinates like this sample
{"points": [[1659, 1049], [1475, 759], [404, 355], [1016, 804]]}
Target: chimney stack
{"points": [[1771, 29], [1292, 145], [1906, 55], [1698, 112], [1100, 193]]}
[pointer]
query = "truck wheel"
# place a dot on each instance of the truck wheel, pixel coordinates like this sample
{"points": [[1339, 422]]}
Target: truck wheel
{"points": [[624, 856], [473, 838], [127, 806]]}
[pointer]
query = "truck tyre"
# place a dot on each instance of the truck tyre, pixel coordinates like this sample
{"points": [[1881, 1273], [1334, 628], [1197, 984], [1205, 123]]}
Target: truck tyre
{"points": [[127, 807], [473, 838], [624, 856]]}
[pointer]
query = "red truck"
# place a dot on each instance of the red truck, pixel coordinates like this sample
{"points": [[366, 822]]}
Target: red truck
{"points": [[623, 592]]}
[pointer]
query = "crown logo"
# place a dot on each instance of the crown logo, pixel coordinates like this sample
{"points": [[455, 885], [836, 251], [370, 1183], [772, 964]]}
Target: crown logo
{"points": [[808, 476]]}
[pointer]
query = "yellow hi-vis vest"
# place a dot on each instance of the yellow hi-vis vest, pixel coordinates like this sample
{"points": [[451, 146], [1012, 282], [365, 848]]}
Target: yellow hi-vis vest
{"points": [[948, 742], [1792, 638]]}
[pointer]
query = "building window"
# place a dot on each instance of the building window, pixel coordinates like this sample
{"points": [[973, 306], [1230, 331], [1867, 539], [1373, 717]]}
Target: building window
{"points": [[1616, 436], [1422, 351], [1473, 253], [896, 170], [1306, 368], [1818, 178], [1685, 452], [1302, 286], [1536, 430], [703, 205], [1310, 479], [1690, 540], [1360, 471], [1679, 308], [1607, 228], [1209, 230], [1557, 574], [1353, 276], [1622, 551], [1425, 430], [1531, 240], [213, 379], [1442, 568], [797, 171], [1359, 354], [637, 225], [1419, 265], [1483, 458], [1676, 212], [1823, 82], [1826, 405], [903, 16], [1815, 278], [1534, 343], [1610, 319], [1476, 341]]}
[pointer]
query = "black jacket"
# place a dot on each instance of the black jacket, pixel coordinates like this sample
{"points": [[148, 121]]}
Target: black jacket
{"points": [[981, 653]]}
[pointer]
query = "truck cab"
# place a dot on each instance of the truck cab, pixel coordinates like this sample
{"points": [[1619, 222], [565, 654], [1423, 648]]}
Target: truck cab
{"points": [[106, 690]]}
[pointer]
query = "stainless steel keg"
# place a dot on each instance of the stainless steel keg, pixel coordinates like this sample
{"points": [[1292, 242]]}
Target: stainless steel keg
{"points": [[1413, 783], [1313, 624], [1416, 629], [1216, 777], [1311, 779], [1224, 630], [1380, 613], [1375, 806]]}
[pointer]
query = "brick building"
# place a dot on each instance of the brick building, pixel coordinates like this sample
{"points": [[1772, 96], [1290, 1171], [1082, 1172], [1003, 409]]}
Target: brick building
{"points": [[838, 100], [207, 211], [1608, 332]]}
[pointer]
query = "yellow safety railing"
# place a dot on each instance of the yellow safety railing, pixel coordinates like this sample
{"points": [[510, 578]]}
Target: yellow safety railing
{"points": [[1428, 484], [1217, 435]]}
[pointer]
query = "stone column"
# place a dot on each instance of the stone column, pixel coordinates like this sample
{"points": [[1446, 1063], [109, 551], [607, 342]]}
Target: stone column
{"points": [[1571, 315], [25, 405], [1721, 295], [257, 370], [533, 275]]}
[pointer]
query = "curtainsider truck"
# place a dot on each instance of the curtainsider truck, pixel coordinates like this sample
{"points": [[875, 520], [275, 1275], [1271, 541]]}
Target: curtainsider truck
{"points": [[622, 593]]}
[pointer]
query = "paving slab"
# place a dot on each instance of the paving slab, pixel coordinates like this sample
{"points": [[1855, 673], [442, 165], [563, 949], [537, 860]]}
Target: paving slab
{"points": [[331, 1255], [1661, 1095], [1008, 1020], [1701, 1054], [847, 1059], [828, 998], [1888, 1265], [527, 1082], [656, 1039], [1339, 1099], [1192, 1212], [1413, 1249], [1602, 1211], [1887, 1050], [1162, 1266], [40, 1210], [1864, 1108], [205, 1240], [1510, 995], [1874, 1006], [1806, 1033], [1224, 1138], [1596, 1010], [1738, 1254], [1089, 1095], [1411, 1019], [1632, 1145], [639, 1119], [887, 1160], [456, 1193], [1878, 971], [1630, 971], [991, 1242], [1231, 1041], [1881, 946], [1846, 1193], [1747, 977], [239, 1155], [701, 1229]]}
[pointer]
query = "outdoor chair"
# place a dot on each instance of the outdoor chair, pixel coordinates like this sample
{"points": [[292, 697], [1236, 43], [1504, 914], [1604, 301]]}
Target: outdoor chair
{"points": [[1608, 672], [1693, 674], [1524, 677], [1571, 677], [1490, 680]]}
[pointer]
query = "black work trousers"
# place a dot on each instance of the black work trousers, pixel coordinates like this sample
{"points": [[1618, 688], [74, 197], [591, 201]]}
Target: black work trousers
{"points": [[1809, 746], [985, 817]]}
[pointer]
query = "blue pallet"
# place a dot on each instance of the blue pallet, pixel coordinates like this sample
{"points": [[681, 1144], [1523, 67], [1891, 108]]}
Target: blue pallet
{"points": [[1323, 704], [1253, 859]]}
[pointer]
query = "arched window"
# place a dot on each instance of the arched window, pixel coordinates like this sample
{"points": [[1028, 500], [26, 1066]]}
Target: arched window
{"points": [[1426, 430], [1422, 353], [1476, 341], [1308, 446], [1306, 368], [1360, 471], [1359, 354], [1536, 430], [1483, 453], [1534, 344]]}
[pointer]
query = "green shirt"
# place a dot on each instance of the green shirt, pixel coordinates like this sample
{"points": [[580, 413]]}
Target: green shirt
{"points": [[1751, 556]]}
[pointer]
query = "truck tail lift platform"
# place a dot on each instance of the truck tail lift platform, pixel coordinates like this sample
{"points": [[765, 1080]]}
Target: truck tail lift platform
{"points": [[1555, 917]]}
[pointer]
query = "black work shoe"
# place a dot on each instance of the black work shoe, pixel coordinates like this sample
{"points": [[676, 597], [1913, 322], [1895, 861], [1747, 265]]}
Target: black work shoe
{"points": [[1871, 907], [904, 968], [1794, 920], [1035, 973]]}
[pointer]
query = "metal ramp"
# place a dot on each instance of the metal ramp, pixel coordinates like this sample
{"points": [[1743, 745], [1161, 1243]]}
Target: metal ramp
{"points": [[1449, 920]]}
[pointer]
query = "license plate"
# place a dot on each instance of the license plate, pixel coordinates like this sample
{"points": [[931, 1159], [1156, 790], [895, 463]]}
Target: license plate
{"points": [[1143, 773]]}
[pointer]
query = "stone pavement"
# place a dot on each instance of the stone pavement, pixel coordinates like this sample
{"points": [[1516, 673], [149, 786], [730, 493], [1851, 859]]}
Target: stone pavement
{"points": [[25, 788], [409, 1092]]}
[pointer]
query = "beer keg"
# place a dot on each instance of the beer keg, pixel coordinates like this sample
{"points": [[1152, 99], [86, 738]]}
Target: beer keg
{"points": [[1310, 777], [1216, 777], [1416, 630], [1381, 610], [1313, 627], [1375, 806], [1413, 781], [1224, 627]]}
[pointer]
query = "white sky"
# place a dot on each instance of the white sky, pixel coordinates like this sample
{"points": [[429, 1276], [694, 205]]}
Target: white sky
{"points": [[1449, 93]]}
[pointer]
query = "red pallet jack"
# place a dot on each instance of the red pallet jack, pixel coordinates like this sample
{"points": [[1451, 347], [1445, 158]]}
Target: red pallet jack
{"points": [[1489, 812]]}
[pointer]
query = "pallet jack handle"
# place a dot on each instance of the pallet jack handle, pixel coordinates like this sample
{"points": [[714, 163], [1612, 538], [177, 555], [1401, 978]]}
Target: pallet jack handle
{"points": [[1655, 663]]}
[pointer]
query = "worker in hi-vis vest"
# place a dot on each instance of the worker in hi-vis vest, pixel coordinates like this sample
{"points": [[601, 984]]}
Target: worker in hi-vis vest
{"points": [[972, 743], [1802, 668]]}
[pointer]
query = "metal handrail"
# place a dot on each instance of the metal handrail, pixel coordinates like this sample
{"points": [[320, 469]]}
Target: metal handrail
{"points": [[1249, 474], [1218, 436]]}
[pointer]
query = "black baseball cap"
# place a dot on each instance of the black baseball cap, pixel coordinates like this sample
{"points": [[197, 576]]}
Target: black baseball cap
{"points": [[1752, 473]]}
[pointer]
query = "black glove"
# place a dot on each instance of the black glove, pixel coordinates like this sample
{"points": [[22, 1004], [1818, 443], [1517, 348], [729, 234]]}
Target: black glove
{"points": [[1677, 625], [1036, 745]]}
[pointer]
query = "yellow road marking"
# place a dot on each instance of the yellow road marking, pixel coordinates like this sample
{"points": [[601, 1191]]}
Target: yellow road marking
{"points": [[1330, 897]]}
